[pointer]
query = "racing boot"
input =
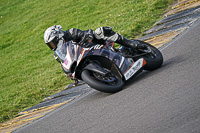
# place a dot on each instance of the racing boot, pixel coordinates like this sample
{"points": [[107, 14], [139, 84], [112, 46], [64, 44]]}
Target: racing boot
{"points": [[134, 44]]}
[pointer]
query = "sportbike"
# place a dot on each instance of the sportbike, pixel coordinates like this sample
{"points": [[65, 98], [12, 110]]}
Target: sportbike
{"points": [[103, 67]]}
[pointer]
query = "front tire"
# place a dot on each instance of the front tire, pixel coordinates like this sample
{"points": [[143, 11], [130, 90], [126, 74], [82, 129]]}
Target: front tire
{"points": [[91, 80]]}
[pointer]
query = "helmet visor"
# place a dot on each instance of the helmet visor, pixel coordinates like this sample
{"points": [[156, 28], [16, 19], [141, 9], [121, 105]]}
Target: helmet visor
{"points": [[53, 44]]}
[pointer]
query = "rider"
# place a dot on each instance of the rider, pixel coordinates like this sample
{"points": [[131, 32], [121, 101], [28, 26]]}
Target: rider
{"points": [[54, 36]]}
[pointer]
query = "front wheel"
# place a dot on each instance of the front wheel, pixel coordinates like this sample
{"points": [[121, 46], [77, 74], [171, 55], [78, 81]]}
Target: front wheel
{"points": [[110, 83]]}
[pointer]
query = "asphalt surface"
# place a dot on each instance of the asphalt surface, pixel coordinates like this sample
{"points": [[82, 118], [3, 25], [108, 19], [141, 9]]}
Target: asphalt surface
{"points": [[166, 100]]}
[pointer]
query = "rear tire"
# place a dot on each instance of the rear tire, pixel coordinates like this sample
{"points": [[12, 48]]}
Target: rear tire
{"points": [[154, 60], [95, 83]]}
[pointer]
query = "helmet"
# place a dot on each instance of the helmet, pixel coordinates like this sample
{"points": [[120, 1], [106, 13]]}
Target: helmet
{"points": [[53, 35]]}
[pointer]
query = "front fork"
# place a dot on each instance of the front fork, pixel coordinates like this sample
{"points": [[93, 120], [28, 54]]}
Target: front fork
{"points": [[76, 81], [70, 75]]}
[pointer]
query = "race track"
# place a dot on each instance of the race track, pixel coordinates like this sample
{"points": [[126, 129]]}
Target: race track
{"points": [[166, 100]]}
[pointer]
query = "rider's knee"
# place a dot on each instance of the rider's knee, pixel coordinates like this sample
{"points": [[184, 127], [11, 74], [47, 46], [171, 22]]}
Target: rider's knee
{"points": [[106, 33]]}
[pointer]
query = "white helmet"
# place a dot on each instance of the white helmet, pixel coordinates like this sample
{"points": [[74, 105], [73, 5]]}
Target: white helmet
{"points": [[52, 35]]}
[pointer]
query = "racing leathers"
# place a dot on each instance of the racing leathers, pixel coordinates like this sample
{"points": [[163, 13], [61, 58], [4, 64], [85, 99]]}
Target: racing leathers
{"points": [[100, 35]]}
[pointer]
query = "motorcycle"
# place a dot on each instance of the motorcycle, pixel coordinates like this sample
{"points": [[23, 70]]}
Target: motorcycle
{"points": [[103, 67]]}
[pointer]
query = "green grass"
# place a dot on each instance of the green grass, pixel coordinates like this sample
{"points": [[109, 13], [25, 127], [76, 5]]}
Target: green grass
{"points": [[28, 71]]}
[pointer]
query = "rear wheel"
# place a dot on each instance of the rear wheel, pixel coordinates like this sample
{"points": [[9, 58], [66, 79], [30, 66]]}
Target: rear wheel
{"points": [[110, 83], [154, 59]]}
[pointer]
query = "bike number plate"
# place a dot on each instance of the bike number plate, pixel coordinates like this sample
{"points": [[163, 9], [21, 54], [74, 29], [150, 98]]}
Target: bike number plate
{"points": [[133, 69]]}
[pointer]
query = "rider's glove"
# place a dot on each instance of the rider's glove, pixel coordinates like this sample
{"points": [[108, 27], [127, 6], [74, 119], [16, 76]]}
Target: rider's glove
{"points": [[87, 38]]}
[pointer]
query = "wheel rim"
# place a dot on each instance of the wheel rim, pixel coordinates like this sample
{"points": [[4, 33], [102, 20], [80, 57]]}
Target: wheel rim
{"points": [[109, 79]]}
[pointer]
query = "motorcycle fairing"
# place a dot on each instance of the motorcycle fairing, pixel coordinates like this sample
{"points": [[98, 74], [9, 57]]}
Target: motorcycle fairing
{"points": [[75, 53], [66, 54], [126, 65]]}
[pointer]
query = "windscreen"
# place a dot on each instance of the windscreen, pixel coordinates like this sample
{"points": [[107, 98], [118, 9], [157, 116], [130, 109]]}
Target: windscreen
{"points": [[61, 52]]}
